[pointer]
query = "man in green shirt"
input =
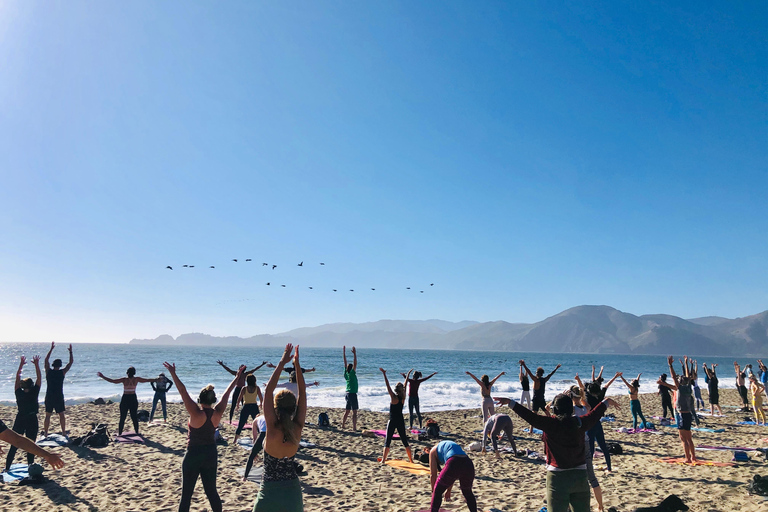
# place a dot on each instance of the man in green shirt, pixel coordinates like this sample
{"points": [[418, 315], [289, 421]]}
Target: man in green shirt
{"points": [[350, 376]]}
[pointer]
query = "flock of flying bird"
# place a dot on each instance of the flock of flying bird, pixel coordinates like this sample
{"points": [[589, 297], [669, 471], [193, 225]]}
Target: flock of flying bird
{"points": [[301, 264]]}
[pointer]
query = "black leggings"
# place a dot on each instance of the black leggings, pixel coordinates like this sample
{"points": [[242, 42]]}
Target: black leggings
{"points": [[257, 445], [199, 461], [597, 434], [399, 424], [235, 396], [413, 403], [666, 403], [247, 411], [129, 403], [24, 425]]}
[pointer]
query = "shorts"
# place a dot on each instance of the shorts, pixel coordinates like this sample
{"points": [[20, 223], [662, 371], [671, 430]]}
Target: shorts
{"points": [[539, 403], [55, 403], [684, 420], [351, 401]]}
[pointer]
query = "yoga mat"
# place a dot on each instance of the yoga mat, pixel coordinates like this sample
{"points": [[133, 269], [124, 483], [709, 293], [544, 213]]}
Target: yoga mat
{"points": [[749, 423], [625, 430], [726, 448], [535, 431], [53, 440], [681, 460], [17, 472], [129, 438], [306, 444], [257, 472], [416, 469], [704, 429], [248, 426], [245, 442]]}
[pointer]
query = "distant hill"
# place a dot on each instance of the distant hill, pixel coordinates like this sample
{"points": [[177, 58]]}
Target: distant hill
{"points": [[585, 329]]}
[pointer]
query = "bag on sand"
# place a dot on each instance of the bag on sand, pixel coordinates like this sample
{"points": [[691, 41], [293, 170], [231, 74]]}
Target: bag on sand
{"points": [[758, 485], [322, 420], [98, 437], [143, 415], [433, 429], [614, 448]]}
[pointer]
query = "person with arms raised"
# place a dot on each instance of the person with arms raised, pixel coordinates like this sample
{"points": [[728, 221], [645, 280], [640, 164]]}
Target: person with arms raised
{"points": [[350, 375], [26, 423], [201, 458], [54, 392]]}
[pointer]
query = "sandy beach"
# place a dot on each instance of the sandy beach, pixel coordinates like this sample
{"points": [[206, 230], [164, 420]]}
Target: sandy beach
{"points": [[342, 473]]}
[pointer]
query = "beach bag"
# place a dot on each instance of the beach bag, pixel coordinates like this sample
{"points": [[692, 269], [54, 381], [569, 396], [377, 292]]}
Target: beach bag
{"points": [[475, 446], [322, 420], [740, 456], [615, 449], [758, 485], [218, 438], [143, 415], [98, 437], [424, 458], [433, 429]]}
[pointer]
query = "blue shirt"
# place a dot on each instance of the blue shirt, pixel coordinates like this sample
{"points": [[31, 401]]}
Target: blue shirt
{"points": [[447, 449]]}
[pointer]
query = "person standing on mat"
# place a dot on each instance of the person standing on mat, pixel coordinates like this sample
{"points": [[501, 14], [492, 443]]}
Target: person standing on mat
{"points": [[239, 387], [17, 441], [413, 394], [757, 390], [54, 392], [350, 375], [494, 427], [285, 414], [258, 444], [763, 376], [539, 385], [741, 379], [525, 397], [712, 387], [396, 420], [128, 402], [696, 388], [666, 398], [580, 408], [595, 395], [456, 465], [565, 448], [684, 407], [485, 391], [201, 458], [634, 400], [249, 398], [26, 423], [161, 387]]}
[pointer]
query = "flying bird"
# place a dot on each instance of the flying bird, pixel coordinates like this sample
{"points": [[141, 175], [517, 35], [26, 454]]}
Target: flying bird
{"points": [[282, 285], [265, 264], [351, 290], [267, 284], [191, 266], [432, 284], [249, 259], [374, 289], [335, 290], [407, 287], [185, 265], [310, 287], [235, 261], [422, 291], [274, 267], [171, 268], [322, 263], [300, 264]]}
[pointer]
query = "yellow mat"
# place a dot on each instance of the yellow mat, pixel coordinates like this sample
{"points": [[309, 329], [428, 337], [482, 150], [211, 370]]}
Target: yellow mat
{"points": [[416, 469]]}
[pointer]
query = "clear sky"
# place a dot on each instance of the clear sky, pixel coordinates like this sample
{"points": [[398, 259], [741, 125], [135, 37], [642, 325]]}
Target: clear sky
{"points": [[525, 157]]}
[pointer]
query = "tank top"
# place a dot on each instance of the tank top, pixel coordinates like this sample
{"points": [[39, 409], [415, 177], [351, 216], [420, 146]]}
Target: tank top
{"points": [[204, 435], [526, 384], [250, 398], [447, 449], [685, 402], [396, 410], [129, 387], [55, 380], [278, 470]]}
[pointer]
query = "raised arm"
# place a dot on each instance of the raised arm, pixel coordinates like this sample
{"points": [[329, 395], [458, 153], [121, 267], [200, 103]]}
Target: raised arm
{"points": [[36, 362], [553, 371], [528, 371], [428, 377], [392, 394], [22, 362], [71, 360], [301, 400], [113, 381], [497, 378], [344, 353], [354, 358], [608, 384], [625, 381], [671, 361], [600, 375], [230, 370], [269, 405], [476, 379], [142, 379], [222, 405], [255, 369], [48, 356], [405, 381], [189, 404]]}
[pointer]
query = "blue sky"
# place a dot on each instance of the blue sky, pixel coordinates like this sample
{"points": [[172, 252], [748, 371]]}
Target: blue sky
{"points": [[525, 157]]}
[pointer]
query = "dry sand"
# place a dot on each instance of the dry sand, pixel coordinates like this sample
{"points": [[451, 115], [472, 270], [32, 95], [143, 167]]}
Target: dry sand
{"points": [[342, 473]]}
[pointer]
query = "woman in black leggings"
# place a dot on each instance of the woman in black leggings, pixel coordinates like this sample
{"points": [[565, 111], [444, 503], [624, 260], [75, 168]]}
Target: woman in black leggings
{"points": [[201, 457], [396, 420], [128, 402]]}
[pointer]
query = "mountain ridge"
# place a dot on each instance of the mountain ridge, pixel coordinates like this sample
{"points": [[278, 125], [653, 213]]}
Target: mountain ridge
{"points": [[583, 329]]}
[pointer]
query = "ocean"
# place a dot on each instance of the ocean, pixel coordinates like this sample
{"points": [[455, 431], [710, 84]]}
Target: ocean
{"points": [[451, 388]]}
